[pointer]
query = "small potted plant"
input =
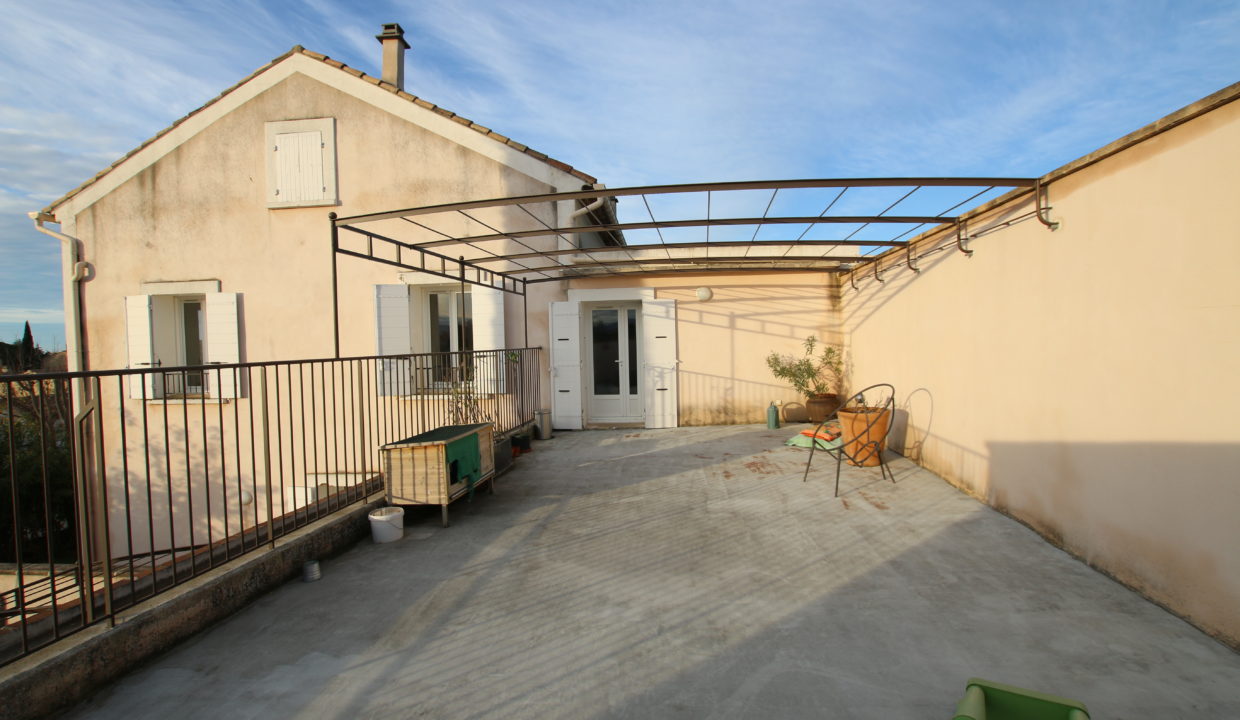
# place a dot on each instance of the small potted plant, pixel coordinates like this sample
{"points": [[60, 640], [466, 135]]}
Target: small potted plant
{"points": [[815, 376]]}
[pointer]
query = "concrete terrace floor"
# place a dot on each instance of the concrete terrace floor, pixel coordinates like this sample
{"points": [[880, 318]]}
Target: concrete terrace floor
{"points": [[689, 573]]}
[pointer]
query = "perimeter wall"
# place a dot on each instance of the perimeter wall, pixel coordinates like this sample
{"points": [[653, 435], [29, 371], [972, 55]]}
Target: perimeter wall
{"points": [[1086, 380]]}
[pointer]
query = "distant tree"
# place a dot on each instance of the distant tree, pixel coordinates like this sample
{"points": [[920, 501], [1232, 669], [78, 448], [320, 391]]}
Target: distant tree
{"points": [[28, 358]]}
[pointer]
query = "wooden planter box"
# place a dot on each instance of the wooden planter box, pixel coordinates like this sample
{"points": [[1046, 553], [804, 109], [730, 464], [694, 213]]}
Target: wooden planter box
{"points": [[440, 465]]}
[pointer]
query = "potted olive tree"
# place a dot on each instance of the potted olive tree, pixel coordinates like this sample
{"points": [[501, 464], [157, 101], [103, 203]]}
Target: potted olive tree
{"points": [[816, 375]]}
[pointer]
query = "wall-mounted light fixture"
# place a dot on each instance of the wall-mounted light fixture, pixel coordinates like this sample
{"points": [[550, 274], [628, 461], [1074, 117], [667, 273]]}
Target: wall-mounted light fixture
{"points": [[704, 294]]}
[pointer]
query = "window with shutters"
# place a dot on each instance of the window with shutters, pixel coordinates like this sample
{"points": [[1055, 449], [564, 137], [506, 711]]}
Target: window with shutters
{"points": [[446, 322], [301, 163], [196, 332]]}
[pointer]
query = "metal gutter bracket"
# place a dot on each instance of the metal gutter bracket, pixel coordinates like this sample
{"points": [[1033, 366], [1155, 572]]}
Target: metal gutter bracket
{"points": [[852, 278], [912, 261], [877, 275], [962, 239], [1043, 209]]}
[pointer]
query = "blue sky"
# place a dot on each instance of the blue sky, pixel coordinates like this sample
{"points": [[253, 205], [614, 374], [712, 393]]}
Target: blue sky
{"points": [[632, 92]]}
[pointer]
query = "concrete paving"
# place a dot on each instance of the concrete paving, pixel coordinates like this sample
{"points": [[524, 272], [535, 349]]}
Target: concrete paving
{"points": [[689, 573]]}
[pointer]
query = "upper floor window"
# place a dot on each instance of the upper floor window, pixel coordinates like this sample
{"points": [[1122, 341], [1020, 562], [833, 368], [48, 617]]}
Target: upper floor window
{"points": [[301, 163]]}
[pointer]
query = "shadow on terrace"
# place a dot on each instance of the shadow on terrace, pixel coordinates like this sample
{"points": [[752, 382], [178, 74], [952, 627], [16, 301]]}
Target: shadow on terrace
{"points": [[689, 572], [117, 486]]}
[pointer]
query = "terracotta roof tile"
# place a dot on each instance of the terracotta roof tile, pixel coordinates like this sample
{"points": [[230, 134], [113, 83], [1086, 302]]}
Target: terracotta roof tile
{"points": [[298, 49]]}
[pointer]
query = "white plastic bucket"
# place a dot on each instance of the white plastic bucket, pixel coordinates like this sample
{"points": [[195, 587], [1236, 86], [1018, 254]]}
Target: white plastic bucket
{"points": [[387, 524]]}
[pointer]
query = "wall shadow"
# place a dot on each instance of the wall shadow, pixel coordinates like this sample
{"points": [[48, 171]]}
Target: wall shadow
{"points": [[643, 579], [1157, 516]]}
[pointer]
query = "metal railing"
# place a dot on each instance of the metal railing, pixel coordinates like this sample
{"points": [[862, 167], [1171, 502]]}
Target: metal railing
{"points": [[118, 485]]}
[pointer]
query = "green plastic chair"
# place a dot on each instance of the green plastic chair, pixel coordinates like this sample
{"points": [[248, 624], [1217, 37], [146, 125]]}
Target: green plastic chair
{"points": [[985, 700]]}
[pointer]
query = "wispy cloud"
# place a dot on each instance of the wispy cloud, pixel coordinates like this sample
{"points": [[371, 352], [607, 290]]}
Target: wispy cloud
{"points": [[639, 92]]}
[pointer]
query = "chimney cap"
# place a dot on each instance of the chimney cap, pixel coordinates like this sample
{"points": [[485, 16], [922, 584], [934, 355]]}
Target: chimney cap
{"points": [[393, 31]]}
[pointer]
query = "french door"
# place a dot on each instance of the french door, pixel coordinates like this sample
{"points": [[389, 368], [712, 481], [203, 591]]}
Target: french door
{"points": [[613, 368]]}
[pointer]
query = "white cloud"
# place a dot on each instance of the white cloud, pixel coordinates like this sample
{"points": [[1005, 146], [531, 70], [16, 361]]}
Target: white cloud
{"points": [[31, 315], [636, 93]]}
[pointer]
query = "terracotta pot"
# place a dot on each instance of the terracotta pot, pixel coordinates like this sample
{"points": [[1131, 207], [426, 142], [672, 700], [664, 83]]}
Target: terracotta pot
{"points": [[820, 407], [863, 428]]}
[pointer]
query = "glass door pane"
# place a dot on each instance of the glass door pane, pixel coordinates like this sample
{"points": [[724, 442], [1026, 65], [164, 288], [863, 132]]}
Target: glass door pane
{"points": [[191, 321], [632, 328], [606, 351]]}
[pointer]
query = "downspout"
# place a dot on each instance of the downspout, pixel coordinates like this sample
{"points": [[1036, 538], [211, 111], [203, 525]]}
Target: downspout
{"points": [[92, 534], [598, 203], [74, 272]]}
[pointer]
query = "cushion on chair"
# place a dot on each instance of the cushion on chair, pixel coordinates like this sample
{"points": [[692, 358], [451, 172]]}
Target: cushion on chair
{"points": [[824, 434]]}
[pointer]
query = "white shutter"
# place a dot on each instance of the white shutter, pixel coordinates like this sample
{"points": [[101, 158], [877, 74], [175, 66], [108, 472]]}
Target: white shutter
{"points": [[393, 336], [659, 362], [487, 307], [140, 342], [299, 167], [223, 344], [566, 365]]}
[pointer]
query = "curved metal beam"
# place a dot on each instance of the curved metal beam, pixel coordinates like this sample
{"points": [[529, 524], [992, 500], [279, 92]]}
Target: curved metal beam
{"points": [[690, 188], [705, 222]]}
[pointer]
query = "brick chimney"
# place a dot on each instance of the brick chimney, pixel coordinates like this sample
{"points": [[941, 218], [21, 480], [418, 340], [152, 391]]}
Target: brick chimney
{"points": [[394, 46]]}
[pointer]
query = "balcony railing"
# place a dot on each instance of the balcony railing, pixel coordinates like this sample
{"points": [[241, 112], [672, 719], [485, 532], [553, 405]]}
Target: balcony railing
{"points": [[118, 485]]}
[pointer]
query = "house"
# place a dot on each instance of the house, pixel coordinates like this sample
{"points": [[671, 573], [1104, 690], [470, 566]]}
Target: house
{"points": [[1065, 352], [206, 244]]}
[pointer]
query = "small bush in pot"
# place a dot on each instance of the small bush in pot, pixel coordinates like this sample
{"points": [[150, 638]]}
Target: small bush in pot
{"points": [[815, 375]]}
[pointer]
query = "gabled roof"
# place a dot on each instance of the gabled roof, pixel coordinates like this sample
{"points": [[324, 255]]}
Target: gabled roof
{"points": [[299, 50]]}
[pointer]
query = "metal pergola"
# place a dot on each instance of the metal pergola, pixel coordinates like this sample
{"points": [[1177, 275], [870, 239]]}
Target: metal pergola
{"points": [[509, 243]]}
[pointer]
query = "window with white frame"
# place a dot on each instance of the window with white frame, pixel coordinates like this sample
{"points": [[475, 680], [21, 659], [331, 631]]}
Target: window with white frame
{"points": [[445, 322], [301, 163], [175, 325]]}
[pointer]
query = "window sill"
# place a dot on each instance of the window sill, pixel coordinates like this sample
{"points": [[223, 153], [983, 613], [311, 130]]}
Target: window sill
{"points": [[326, 202], [446, 395], [188, 401]]}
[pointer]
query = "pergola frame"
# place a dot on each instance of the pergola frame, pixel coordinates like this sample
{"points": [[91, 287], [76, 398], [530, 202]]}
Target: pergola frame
{"points": [[513, 272]]}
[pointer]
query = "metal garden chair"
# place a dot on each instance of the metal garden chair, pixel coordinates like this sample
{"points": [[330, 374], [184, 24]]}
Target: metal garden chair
{"points": [[864, 426]]}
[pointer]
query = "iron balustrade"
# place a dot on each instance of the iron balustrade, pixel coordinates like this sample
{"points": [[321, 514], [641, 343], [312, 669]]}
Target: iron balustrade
{"points": [[118, 485]]}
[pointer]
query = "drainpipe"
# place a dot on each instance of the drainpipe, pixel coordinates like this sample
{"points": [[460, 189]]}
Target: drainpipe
{"points": [[74, 273], [93, 532], [598, 203]]}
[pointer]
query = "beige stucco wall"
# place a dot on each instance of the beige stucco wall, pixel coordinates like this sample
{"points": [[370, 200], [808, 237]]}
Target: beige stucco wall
{"points": [[723, 342], [1084, 380], [200, 212]]}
